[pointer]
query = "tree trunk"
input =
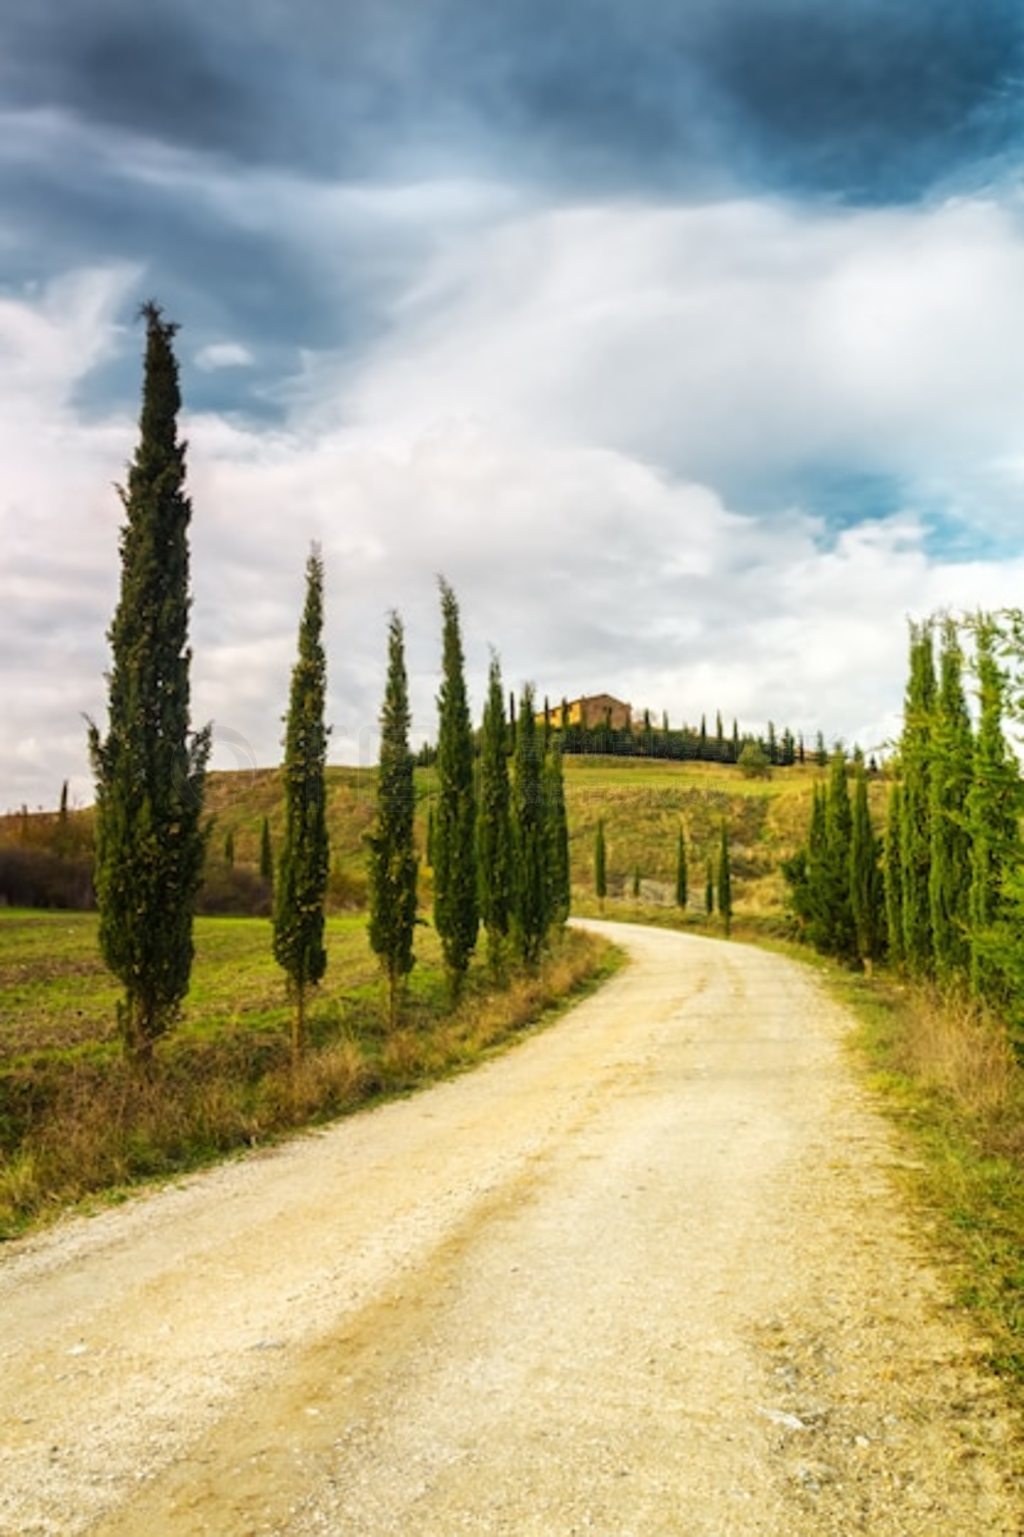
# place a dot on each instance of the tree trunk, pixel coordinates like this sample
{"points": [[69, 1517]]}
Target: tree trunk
{"points": [[299, 1023]]}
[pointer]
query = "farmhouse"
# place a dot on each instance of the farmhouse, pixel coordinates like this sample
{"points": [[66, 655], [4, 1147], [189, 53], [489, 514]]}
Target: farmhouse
{"points": [[591, 711]]}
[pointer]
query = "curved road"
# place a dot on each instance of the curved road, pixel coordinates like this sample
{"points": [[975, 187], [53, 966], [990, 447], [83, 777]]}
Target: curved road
{"points": [[647, 1273]]}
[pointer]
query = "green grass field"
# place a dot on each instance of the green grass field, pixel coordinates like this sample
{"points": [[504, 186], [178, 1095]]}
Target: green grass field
{"points": [[57, 997], [74, 1120]]}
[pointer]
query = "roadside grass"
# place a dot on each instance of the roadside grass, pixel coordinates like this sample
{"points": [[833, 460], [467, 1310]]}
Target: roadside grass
{"points": [[75, 1123], [944, 1072]]}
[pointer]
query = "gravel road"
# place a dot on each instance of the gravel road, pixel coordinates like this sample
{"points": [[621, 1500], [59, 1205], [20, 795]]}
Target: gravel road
{"points": [[648, 1273]]}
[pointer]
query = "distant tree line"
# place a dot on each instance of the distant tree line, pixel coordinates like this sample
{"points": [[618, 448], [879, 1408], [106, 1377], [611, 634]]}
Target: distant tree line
{"points": [[685, 743], [693, 744]]}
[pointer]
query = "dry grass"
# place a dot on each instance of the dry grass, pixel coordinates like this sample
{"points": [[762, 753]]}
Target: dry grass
{"points": [[947, 1073], [952, 1045], [91, 1126]]}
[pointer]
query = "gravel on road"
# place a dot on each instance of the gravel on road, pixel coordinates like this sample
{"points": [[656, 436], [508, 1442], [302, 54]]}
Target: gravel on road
{"points": [[650, 1272]]}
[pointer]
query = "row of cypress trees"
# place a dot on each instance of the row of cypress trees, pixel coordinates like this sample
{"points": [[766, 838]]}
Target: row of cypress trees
{"points": [[938, 892], [836, 879], [499, 841], [150, 767], [953, 850], [501, 844]]}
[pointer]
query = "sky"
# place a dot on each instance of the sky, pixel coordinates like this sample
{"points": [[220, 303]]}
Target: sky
{"points": [[686, 341]]}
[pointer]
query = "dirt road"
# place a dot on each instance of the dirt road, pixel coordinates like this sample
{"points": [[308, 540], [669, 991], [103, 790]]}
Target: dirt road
{"points": [[646, 1274]]}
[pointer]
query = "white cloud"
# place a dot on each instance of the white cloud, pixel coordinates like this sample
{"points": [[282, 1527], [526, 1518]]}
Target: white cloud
{"points": [[742, 337], [216, 355], [549, 423]]}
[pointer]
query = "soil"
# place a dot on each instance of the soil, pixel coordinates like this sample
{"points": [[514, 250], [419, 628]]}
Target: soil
{"points": [[651, 1272]]}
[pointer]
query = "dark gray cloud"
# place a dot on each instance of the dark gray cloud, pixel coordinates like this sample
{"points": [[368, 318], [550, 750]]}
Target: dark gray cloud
{"points": [[867, 99]]}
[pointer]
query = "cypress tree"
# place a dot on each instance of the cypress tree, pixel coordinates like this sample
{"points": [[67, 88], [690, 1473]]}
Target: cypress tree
{"points": [[725, 880], [801, 751], [949, 878], [266, 854], [305, 853], [820, 752], [456, 911], [636, 882], [229, 850], [719, 737], [150, 769], [867, 897], [787, 752], [915, 830], [494, 827], [735, 742], [703, 738], [993, 807], [392, 861], [557, 832], [817, 873], [681, 870], [63, 833], [839, 833], [709, 891], [600, 870], [529, 833], [894, 874]]}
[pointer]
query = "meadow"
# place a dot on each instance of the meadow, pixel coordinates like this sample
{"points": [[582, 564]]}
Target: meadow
{"points": [[74, 1121]]}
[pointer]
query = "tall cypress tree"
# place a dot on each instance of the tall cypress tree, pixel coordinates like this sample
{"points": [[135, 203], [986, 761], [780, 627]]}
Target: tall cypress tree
{"points": [[305, 853], [894, 874], [600, 865], [63, 831], [393, 862], [915, 830], [557, 835], [867, 896], [815, 902], [838, 908], [494, 826], [681, 870], [949, 880], [456, 910], [709, 890], [266, 854], [725, 880], [529, 832], [150, 769], [993, 808]]}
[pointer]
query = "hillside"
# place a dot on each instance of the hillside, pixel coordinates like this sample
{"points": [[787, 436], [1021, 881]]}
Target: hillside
{"points": [[642, 802]]}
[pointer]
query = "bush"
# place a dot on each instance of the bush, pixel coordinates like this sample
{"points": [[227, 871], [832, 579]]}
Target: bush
{"points": [[230, 890], [753, 762], [37, 877]]}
